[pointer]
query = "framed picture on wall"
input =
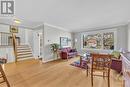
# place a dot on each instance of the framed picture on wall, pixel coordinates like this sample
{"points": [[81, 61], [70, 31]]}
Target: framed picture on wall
{"points": [[63, 41], [13, 29]]}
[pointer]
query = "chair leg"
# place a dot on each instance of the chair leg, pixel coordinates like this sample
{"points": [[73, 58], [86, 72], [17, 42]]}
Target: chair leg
{"points": [[108, 79], [103, 74], [80, 61], [108, 82], [87, 70], [5, 79], [4, 76], [92, 78]]}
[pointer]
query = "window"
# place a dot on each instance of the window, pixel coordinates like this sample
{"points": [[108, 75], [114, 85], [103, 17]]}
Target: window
{"points": [[92, 41], [108, 40], [103, 40]]}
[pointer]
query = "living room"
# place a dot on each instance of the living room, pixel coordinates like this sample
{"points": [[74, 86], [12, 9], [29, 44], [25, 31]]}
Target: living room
{"points": [[64, 43]]}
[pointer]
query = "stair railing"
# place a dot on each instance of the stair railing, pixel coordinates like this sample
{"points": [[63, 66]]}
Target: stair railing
{"points": [[5, 40], [9, 39], [14, 46]]}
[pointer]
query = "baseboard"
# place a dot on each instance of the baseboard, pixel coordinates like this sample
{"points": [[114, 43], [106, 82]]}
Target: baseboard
{"points": [[45, 61]]}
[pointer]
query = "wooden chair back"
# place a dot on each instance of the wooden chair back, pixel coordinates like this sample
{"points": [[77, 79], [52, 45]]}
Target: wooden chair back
{"points": [[101, 61]]}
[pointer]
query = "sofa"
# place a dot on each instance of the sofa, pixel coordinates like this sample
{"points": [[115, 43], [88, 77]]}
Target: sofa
{"points": [[68, 52]]}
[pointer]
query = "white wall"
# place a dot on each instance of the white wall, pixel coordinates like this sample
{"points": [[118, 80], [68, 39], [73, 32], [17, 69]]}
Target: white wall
{"points": [[4, 28], [7, 53], [52, 35], [121, 41], [122, 37], [128, 37]]}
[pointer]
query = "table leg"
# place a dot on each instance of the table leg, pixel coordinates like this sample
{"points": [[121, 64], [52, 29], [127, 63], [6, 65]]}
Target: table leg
{"points": [[87, 69], [80, 60]]}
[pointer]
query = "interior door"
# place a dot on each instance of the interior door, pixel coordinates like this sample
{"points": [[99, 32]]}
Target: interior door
{"points": [[41, 43]]}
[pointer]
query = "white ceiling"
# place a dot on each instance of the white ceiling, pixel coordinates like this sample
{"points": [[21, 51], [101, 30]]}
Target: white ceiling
{"points": [[23, 23], [73, 15]]}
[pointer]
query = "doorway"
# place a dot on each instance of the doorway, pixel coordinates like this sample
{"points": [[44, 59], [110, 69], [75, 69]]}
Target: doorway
{"points": [[40, 45], [10, 40]]}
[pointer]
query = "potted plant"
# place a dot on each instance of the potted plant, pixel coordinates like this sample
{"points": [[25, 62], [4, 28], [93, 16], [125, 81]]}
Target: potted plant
{"points": [[54, 48]]}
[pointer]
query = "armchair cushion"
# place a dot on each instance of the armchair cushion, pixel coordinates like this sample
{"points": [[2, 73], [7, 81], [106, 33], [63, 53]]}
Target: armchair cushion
{"points": [[68, 49], [116, 54], [73, 50], [116, 63]]}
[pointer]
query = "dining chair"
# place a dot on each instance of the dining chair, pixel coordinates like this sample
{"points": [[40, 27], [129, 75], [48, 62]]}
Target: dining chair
{"points": [[2, 73], [100, 63]]}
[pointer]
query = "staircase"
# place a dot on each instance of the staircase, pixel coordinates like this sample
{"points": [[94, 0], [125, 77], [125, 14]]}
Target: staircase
{"points": [[23, 52]]}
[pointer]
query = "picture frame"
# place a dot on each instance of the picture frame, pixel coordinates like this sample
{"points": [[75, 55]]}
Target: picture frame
{"points": [[13, 29], [63, 41]]}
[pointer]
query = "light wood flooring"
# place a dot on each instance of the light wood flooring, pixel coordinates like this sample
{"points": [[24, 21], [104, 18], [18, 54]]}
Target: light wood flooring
{"points": [[33, 73]]}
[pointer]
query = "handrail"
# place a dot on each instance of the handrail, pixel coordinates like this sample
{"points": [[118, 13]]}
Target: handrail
{"points": [[14, 46], [5, 32]]}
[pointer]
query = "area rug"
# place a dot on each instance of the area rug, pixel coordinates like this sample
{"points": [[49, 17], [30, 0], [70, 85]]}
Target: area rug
{"points": [[77, 64]]}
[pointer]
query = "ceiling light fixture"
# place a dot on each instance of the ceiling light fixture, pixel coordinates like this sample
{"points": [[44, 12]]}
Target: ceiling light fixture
{"points": [[17, 21]]}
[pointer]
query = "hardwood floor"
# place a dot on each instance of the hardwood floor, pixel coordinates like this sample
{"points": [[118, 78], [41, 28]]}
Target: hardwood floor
{"points": [[32, 73]]}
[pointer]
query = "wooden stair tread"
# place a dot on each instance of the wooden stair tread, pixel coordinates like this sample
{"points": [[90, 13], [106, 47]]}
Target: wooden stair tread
{"points": [[23, 51], [24, 54], [21, 45], [24, 57], [20, 53]]}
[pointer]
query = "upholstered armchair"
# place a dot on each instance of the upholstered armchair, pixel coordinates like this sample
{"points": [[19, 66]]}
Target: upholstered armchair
{"points": [[116, 62]]}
